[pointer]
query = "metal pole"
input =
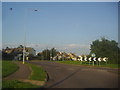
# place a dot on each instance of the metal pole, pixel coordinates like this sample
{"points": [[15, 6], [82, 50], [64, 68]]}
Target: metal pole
{"points": [[89, 62], [24, 37], [93, 63], [23, 55], [99, 63], [81, 62]]}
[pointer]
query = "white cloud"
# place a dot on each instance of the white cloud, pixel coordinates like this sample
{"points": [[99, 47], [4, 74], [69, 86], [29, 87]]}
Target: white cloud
{"points": [[69, 46]]}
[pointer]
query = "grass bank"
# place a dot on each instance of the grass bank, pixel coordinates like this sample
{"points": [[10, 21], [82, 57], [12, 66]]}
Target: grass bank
{"points": [[8, 67], [91, 64], [37, 73], [17, 84]]}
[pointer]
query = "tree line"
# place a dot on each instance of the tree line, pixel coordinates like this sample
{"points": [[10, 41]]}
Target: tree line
{"points": [[106, 48], [100, 47], [47, 54]]}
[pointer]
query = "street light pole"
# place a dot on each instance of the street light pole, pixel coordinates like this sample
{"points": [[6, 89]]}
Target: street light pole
{"points": [[24, 51]]}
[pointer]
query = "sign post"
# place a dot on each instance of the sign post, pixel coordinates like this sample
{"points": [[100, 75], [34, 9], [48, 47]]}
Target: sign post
{"points": [[93, 55], [99, 59], [89, 60]]}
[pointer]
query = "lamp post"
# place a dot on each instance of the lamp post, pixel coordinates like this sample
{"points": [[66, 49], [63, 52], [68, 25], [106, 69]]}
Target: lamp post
{"points": [[24, 51]]}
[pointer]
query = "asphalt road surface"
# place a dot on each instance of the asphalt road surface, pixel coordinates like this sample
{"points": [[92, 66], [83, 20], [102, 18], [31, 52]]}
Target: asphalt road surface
{"points": [[72, 76]]}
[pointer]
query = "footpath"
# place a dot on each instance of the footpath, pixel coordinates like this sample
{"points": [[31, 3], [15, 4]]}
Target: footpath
{"points": [[23, 74]]}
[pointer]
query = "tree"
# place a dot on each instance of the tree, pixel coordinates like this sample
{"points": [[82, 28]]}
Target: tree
{"points": [[46, 54], [21, 46], [53, 52], [7, 48], [106, 48]]}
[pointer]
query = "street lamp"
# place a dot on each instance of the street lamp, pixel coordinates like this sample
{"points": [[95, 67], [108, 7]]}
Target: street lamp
{"points": [[24, 51]]}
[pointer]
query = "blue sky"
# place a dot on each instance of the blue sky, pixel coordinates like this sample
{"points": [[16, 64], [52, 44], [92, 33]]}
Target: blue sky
{"points": [[67, 26]]}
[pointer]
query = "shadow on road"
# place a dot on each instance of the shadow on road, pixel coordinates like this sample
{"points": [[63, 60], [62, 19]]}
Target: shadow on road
{"points": [[59, 82]]}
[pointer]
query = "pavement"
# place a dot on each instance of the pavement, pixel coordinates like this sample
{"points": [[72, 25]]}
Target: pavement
{"points": [[74, 76], [23, 74]]}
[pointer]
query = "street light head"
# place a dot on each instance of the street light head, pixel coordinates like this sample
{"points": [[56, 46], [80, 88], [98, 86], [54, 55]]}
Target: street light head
{"points": [[35, 10], [11, 9]]}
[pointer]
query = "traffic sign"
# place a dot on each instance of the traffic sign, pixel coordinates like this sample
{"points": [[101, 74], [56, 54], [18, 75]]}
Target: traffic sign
{"points": [[93, 55]]}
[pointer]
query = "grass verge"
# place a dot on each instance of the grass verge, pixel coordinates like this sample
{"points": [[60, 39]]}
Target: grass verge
{"points": [[87, 64], [37, 73], [17, 84], [8, 67]]}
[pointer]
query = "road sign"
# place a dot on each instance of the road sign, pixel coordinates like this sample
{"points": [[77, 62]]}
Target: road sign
{"points": [[26, 53], [93, 54], [94, 58]]}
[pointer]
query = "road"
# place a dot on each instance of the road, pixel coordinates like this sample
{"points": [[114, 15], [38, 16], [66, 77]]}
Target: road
{"points": [[72, 76]]}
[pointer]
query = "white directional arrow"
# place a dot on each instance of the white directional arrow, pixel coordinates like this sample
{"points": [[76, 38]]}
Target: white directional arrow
{"points": [[85, 59], [90, 58], [94, 58], [81, 58], [105, 59], [99, 59]]}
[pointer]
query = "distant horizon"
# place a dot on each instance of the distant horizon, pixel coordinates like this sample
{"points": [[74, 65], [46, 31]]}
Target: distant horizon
{"points": [[46, 47], [66, 26]]}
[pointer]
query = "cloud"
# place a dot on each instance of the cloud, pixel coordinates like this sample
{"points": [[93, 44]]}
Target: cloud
{"points": [[77, 48], [70, 46]]}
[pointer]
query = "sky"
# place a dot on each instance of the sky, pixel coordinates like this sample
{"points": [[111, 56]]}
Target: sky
{"points": [[66, 26]]}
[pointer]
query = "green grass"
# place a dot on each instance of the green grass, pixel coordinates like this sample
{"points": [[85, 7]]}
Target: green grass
{"points": [[8, 67], [37, 73], [111, 65], [17, 84], [87, 64], [0, 67]]}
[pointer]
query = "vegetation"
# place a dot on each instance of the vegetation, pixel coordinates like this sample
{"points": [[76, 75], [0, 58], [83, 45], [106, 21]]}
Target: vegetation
{"points": [[17, 84], [8, 67], [37, 73], [47, 54], [106, 48], [87, 64]]}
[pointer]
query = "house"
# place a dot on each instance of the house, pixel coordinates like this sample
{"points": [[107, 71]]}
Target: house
{"points": [[17, 52]]}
